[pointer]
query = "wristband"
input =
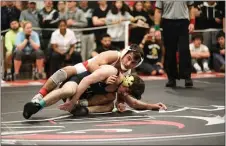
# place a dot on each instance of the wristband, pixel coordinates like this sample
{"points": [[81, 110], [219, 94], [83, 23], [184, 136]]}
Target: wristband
{"points": [[157, 27], [192, 21]]}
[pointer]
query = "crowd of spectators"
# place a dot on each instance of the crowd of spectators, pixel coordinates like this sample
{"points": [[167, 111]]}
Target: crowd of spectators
{"points": [[47, 37]]}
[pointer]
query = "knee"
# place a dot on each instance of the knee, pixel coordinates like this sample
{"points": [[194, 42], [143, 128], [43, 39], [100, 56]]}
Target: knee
{"points": [[161, 71], [39, 54], [154, 72], [68, 91], [18, 54]]}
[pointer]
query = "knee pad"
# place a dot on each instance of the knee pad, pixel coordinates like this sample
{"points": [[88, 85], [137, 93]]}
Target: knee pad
{"points": [[59, 76]]}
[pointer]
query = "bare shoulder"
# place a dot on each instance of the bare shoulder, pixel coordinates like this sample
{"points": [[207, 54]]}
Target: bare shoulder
{"points": [[108, 56]]}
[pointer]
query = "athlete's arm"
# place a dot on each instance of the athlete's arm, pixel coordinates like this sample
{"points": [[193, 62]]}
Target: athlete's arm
{"points": [[103, 58], [98, 75], [137, 104]]}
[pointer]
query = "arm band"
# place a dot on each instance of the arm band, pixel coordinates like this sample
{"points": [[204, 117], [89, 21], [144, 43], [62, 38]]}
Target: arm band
{"points": [[192, 21], [157, 27]]}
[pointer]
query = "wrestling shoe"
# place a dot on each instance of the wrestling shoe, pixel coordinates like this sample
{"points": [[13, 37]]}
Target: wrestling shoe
{"points": [[37, 98], [80, 111], [188, 83], [31, 108]]}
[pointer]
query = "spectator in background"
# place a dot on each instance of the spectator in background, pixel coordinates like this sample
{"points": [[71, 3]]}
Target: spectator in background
{"points": [[63, 42], [219, 53], [48, 18], [8, 12], [10, 39], [61, 5], [149, 9], [143, 22], [199, 54], [75, 19], [118, 15], [31, 15], [99, 19], [209, 15], [88, 38], [105, 45], [154, 52], [28, 48]]}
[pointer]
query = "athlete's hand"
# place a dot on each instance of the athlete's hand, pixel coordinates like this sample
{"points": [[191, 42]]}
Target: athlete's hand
{"points": [[67, 106], [111, 80], [121, 107], [161, 106]]}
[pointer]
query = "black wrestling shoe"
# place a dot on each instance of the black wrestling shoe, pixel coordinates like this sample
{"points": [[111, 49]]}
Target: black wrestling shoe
{"points": [[80, 111], [171, 83], [31, 108], [188, 83]]}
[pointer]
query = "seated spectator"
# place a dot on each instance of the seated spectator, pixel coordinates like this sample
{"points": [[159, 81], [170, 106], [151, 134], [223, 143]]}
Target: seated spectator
{"points": [[10, 39], [199, 54], [143, 22], [99, 19], [153, 54], [105, 45], [8, 12], [209, 15], [63, 47], [219, 53], [61, 6], [117, 15], [28, 48], [31, 15]]}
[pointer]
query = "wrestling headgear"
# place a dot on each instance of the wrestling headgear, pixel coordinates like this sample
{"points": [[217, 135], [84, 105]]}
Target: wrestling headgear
{"points": [[135, 84], [132, 48]]}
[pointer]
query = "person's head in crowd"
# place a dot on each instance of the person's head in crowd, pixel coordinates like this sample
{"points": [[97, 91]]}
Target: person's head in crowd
{"points": [[211, 2], [138, 6], [27, 28], [147, 5], [32, 6], [63, 26], [9, 3], [106, 40], [14, 24], [197, 40], [83, 4], [131, 57], [48, 4], [151, 35], [71, 4], [102, 3], [61, 5], [118, 6], [221, 38]]}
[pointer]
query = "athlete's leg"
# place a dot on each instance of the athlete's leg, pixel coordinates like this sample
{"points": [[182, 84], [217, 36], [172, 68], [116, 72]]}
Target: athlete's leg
{"points": [[58, 77], [98, 100], [83, 111], [67, 90]]}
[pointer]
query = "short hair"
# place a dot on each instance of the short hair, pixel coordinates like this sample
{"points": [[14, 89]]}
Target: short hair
{"points": [[26, 23], [137, 88], [62, 20], [220, 34], [197, 36], [104, 36], [13, 19]]}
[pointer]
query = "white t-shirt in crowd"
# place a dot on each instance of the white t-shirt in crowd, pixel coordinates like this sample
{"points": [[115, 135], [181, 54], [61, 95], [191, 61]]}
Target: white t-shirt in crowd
{"points": [[63, 42], [201, 48]]}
